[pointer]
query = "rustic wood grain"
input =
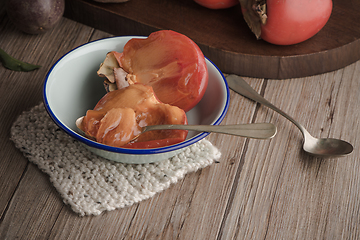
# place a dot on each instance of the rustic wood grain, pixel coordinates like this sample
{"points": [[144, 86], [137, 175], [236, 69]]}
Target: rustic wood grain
{"points": [[290, 195], [225, 38], [259, 189]]}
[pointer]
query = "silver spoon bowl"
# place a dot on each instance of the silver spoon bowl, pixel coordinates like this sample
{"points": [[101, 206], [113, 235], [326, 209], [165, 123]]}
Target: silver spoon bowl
{"points": [[324, 147], [251, 130]]}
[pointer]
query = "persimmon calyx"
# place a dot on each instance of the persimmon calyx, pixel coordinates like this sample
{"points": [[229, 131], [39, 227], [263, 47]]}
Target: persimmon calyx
{"points": [[254, 13]]}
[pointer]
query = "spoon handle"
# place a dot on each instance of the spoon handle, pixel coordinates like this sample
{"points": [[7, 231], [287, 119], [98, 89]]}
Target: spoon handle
{"points": [[253, 130], [239, 85]]}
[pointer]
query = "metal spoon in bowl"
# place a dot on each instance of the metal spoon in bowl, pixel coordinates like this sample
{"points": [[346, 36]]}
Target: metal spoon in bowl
{"points": [[312, 145], [251, 130]]}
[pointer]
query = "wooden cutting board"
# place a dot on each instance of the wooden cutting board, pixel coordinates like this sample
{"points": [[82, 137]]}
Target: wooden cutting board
{"points": [[225, 39]]}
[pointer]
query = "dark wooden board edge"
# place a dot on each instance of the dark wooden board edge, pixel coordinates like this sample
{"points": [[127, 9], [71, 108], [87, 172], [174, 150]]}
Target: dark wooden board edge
{"points": [[284, 67], [250, 65]]}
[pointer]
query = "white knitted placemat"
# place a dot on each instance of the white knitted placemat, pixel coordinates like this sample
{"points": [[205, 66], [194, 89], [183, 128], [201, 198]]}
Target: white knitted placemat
{"points": [[91, 184]]}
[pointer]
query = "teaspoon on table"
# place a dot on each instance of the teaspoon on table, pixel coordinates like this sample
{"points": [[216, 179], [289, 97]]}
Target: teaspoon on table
{"points": [[251, 130], [315, 146]]}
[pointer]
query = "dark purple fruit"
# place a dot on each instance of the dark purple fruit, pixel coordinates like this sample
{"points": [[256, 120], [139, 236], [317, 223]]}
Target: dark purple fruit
{"points": [[35, 16]]}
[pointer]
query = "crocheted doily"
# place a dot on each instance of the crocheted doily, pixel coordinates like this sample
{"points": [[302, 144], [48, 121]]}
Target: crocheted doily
{"points": [[91, 184]]}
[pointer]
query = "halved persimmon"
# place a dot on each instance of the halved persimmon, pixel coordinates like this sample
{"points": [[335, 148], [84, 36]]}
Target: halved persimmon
{"points": [[119, 116], [171, 63]]}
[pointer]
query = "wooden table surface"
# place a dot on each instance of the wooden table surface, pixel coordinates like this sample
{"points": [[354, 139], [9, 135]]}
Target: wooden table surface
{"points": [[260, 189]]}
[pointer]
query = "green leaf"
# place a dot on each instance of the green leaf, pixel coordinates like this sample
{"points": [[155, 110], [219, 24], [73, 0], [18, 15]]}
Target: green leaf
{"points": [[13, 64]]}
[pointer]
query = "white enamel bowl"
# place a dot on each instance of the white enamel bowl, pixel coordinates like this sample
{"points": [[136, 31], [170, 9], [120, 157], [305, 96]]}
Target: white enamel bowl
{"points": [[72, 87]]}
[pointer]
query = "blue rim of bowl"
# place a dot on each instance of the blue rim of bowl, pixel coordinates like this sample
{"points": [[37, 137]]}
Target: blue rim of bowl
{"points": [[103, 147]]}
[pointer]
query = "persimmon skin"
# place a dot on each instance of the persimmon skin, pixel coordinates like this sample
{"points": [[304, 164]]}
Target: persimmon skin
{"points": [[292, 21], [217, 4], [171, 63]]}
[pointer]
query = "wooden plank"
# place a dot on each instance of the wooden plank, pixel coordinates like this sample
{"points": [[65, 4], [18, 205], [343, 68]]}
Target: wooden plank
{"points": [[10, 173], [33, 208], [226, 40], [286, 194], [20, 91]]}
